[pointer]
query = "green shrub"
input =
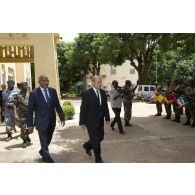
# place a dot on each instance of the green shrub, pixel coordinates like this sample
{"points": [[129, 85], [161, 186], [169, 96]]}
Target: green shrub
{"points": [[68, 110]]}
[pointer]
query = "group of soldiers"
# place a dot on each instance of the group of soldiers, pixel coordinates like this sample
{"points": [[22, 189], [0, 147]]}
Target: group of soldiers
{"points": [[15, 104], [178, 90]]}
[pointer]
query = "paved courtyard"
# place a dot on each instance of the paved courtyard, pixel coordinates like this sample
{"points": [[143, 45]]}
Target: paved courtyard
{"points": [[151, 139]]}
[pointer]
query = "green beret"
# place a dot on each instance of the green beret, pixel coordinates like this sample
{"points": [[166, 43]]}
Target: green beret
{"points": [[24, 83], [11, 81]]}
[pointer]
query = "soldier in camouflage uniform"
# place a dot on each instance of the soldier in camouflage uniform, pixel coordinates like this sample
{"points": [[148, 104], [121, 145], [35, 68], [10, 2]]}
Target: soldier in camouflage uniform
{"points": [[191, 96], [8, 96], [128, 93], [21, 104], [178, 90], [168, 90], [187, 107]]}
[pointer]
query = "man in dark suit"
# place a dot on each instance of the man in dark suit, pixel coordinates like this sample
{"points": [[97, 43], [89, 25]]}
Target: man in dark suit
{"points": [[43, 101], [93, 110]]}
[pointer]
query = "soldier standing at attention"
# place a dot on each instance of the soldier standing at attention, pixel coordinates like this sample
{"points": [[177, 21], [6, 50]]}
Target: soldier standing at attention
{"points": [[191, 95], [178, 90], [21, 104], [187, 107], [8, 95], [128, 93]]}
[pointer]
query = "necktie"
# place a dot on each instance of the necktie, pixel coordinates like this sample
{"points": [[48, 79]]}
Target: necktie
{"points": [[46, 95], [98, 96]]}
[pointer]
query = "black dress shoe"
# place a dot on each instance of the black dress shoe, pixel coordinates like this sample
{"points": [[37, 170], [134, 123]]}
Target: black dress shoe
{"points": [[47, 158], [88, 152], [122, 132], [99, 161]]}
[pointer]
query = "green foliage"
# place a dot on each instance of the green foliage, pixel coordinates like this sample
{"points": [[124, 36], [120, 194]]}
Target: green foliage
{"points": [[68, 110], [91, 50], [68, 74]]}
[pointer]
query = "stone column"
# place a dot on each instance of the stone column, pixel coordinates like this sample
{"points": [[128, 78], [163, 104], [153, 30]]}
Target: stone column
{"points": [[45, 58]]}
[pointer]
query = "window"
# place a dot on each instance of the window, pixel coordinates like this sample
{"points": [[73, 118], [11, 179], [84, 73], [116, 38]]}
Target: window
{"points": [[132, 71], [113, 71], [152, 89], [146, 88]]}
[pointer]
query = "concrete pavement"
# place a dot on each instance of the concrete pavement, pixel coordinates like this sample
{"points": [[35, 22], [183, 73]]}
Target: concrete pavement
{"points": [[151, 139]]}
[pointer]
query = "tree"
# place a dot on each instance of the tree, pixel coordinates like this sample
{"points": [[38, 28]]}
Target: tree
{"points": [[139, 49], [91, 50], [68, 74]]}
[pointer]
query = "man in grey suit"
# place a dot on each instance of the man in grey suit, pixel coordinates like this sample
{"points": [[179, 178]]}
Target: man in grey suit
{"points": [[43, 101]]}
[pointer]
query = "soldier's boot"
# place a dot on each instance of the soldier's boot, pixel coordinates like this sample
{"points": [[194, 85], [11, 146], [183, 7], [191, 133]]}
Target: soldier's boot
{"points": [[178, 119], [127, 124], [174, 120], [9, 137], [168, 116], [25, 143], [158, 114], [187, 122], [193, 123], [28, 139]]}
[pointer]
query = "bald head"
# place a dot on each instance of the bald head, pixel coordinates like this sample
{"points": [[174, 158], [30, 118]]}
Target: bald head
{"points": [[43, 81], [96, 82]]}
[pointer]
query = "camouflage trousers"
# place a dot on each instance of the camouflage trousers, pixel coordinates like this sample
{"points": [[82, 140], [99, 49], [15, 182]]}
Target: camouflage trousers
{"points": [[167, 108], [188, 111], [192, 110], [127, 110], [159, 107], [9, 120], [21, 123], [178, 111]]}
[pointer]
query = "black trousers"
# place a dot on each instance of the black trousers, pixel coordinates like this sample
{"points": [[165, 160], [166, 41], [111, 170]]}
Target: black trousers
{"points": [[2, 111], [117, 118], [96, 135]]}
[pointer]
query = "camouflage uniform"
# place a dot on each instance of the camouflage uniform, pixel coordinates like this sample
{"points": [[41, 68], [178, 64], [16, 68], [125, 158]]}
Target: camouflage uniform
{"points": [[178, 91], [191, 96], [8, 98], [187, 107], [127, 102], [21, 103]]}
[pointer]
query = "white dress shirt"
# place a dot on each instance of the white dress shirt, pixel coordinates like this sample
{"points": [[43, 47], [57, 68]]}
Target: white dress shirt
{"points": [[43, 92], [98, 91]]}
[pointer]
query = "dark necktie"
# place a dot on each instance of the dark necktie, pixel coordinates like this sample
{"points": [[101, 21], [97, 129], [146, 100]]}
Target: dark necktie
{"points": [[46, 95], [98, 96]]}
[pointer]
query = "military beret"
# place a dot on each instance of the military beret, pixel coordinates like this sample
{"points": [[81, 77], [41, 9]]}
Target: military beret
{"points": [[11, 81], [23, 83]]}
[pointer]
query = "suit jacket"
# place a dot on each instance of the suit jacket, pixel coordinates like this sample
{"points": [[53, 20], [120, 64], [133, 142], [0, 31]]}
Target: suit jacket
{"points": [[44, 112], [91, 112]]}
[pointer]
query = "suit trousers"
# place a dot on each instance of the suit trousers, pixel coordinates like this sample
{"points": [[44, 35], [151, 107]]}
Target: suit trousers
{"points": [[96, 135], [45, 137]]}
